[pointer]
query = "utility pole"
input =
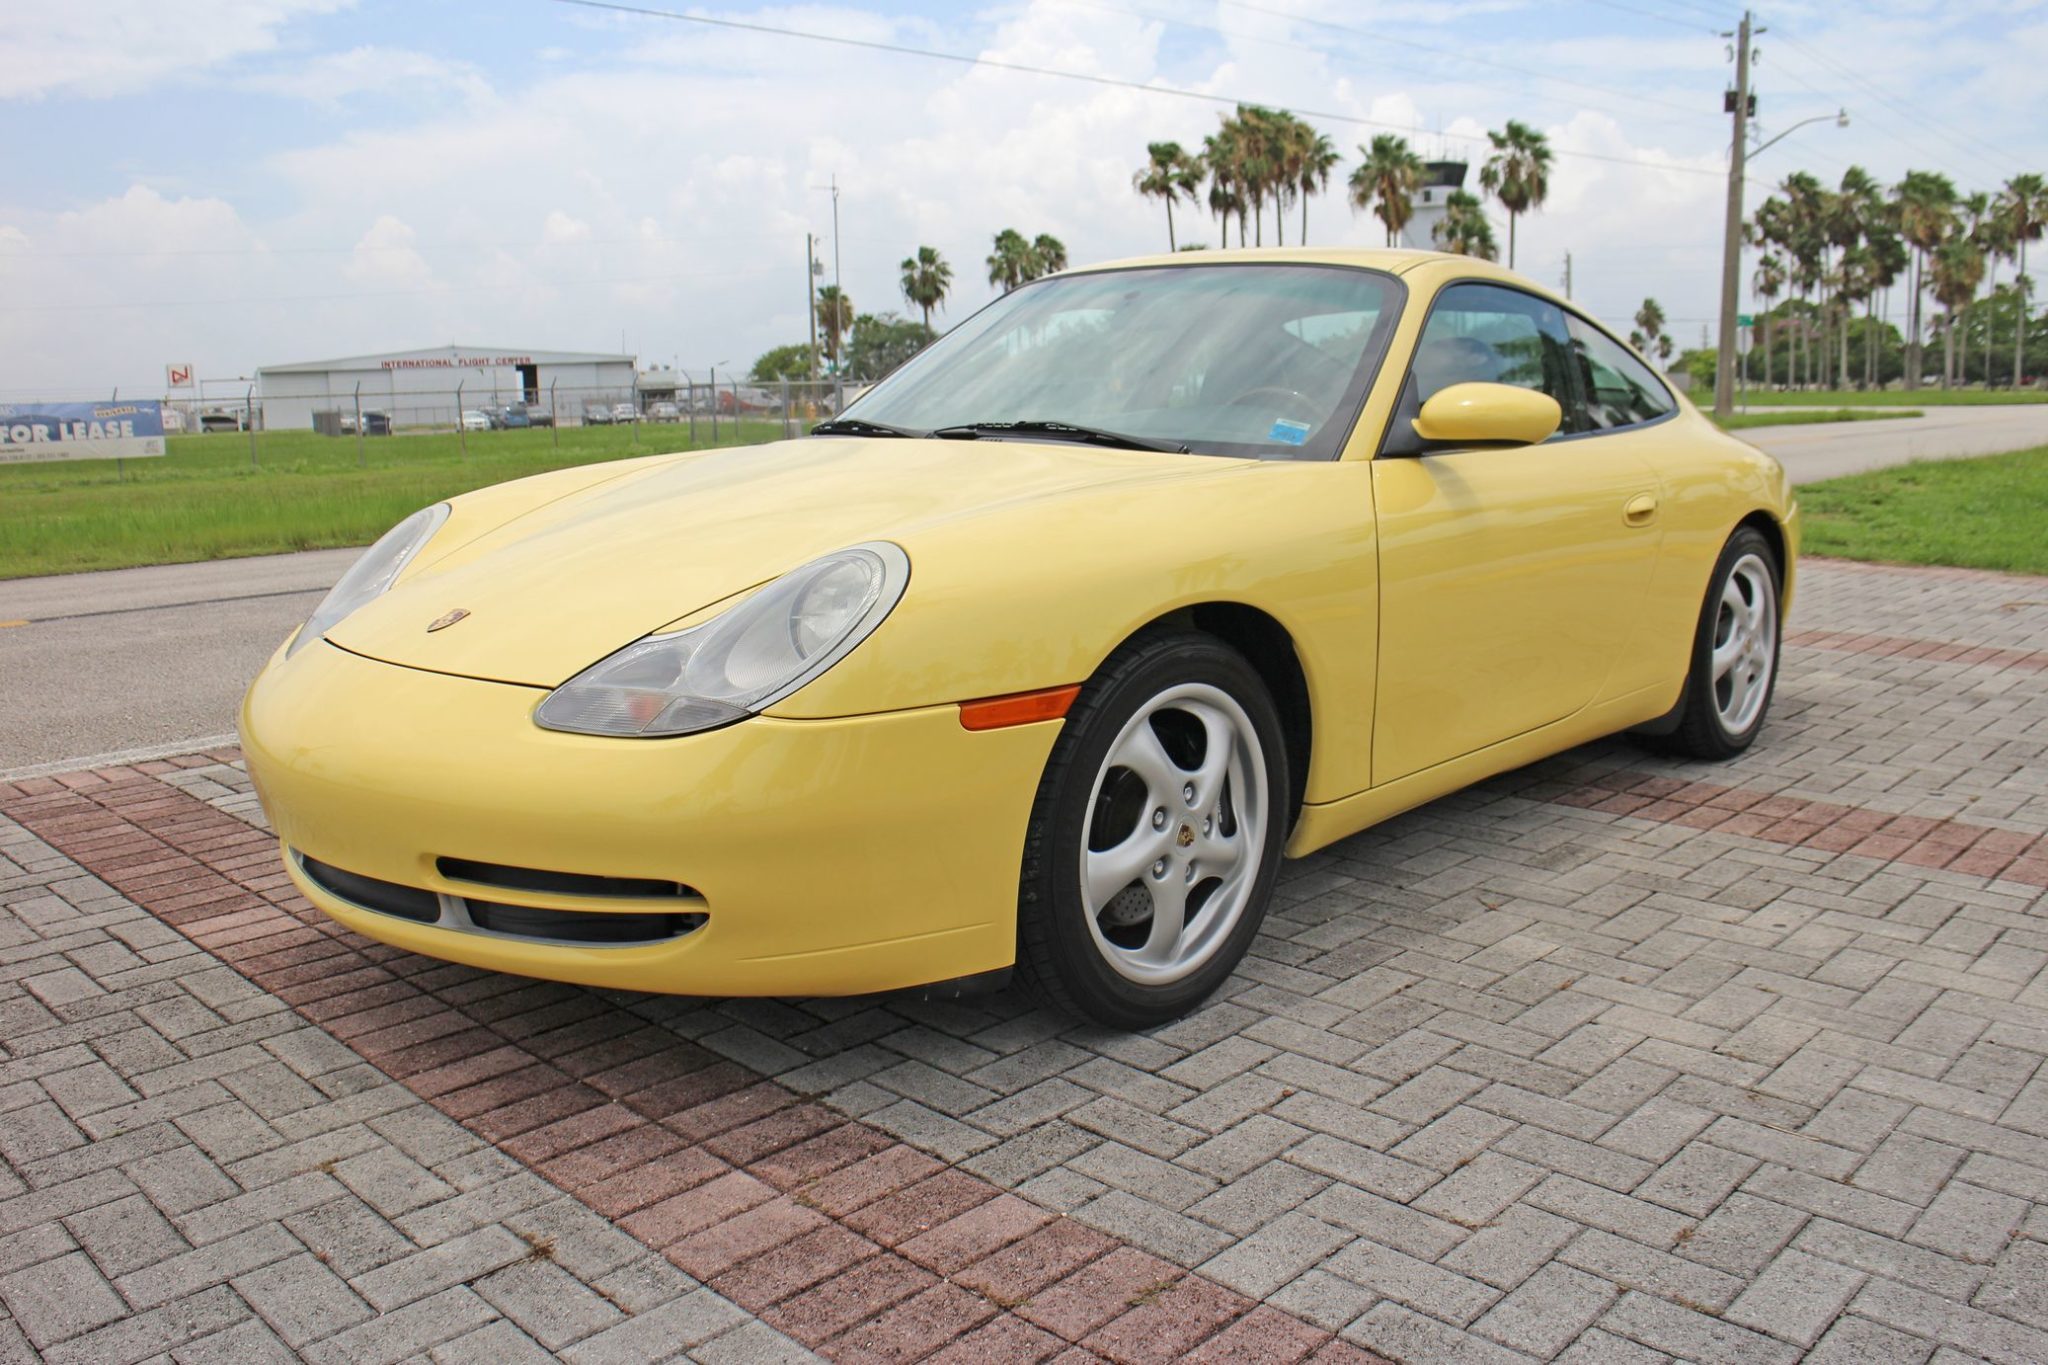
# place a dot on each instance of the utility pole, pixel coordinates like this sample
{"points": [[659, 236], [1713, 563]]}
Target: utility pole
{"points": [[811, 299], [835, 230], [1567, 274], [1731, 241]]}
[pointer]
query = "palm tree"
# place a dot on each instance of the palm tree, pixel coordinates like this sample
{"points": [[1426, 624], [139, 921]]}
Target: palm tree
{"points": [[1386, 181], [2025, 200], [835, 316], [1650, 318], [1769, 282], [1517, 174], [927, 279], [1991, 231], [1958, 268], [1803, 232], [1048, 256], [1319, 157], [1257, 167], [1222, 153], [1169, 174], [1852, 210], [1926, 210], [1463, 230], [1011, 259]]}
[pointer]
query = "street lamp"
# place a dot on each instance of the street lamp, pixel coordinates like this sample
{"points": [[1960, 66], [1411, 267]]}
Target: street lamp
{"points": [[1840, 119]]}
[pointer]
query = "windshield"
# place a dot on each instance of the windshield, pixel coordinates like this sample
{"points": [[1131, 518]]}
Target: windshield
{"points": [[1268, 361]]}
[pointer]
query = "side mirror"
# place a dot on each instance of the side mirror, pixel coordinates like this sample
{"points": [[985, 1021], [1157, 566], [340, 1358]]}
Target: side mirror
{"points": [[1488, 414]]}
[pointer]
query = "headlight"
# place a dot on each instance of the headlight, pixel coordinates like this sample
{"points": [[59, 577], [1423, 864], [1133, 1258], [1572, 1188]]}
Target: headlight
{"points": [[371, 575], [739, 661]]}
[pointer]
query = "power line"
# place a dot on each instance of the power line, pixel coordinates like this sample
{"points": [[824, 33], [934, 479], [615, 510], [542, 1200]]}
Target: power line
{"points": [[1690, 25], [1113, 82], [1917, 118], [1263, 40], [1445, 52], [117, 304]]}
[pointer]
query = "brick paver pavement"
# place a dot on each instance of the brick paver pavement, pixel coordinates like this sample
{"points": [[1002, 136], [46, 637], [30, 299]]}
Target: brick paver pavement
{"points": [[1614, 1058]]}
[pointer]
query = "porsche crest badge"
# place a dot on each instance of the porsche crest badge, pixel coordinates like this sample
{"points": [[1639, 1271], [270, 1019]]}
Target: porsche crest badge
{"points": [[447, 620]]}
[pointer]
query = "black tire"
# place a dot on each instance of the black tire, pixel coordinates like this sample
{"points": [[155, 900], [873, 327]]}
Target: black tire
{"points": [[1058, 956], [1702, 731]]}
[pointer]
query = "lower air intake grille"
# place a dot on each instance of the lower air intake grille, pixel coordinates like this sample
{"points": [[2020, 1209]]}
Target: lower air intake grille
{"points": [[467, 915], [558, 883], [407, 902], [580, 926]]}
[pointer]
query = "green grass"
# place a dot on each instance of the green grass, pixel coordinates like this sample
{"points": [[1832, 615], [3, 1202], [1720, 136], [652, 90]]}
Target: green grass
{"points": [[204, 501], [1986, 513], [1799, 417], [1891, 398]]}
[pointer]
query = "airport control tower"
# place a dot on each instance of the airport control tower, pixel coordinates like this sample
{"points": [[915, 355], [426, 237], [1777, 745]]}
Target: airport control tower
{"points": [[1439, 178]]}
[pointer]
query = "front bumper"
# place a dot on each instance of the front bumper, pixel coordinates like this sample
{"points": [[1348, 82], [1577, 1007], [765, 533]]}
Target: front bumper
{"points": [[832, 857]]}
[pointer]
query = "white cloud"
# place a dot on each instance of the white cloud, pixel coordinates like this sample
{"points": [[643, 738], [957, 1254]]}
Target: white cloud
{"points": [[116, 47], [664, 185], [385, 258], [333, 77], [558, 227]]}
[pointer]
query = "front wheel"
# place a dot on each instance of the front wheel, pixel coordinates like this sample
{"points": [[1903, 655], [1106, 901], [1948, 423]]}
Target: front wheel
{"points": [[1155, 839], [1735, 652]]}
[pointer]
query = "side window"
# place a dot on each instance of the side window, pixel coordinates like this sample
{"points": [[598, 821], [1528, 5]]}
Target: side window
{"points": [[1489, 334], [1620, 390]]}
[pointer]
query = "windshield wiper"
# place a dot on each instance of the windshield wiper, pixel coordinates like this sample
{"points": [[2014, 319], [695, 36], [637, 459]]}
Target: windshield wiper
{"points": [[1067, 431], [859, 426]]}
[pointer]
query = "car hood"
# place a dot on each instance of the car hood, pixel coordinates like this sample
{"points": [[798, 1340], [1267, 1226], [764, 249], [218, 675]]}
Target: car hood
{"points": [[552, 588]]}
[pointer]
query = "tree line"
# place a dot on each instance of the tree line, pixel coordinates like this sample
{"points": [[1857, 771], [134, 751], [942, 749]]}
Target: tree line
{"points": [[1840, 250], [1259, 157]]}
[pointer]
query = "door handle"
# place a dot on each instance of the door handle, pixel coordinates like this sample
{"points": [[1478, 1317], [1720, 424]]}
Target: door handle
{"points": [[1640, 510]]}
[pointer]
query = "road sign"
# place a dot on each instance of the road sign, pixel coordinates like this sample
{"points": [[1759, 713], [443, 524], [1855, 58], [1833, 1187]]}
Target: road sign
{"points": [[178, 376], [1745, 319]]}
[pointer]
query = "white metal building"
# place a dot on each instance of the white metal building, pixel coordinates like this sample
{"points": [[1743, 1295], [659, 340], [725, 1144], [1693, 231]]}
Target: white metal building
{"points": [[432, 387]]}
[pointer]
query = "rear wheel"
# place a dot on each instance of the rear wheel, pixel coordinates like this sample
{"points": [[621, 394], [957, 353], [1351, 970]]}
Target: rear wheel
{"points": [[1735, 652], [1156, 836]]}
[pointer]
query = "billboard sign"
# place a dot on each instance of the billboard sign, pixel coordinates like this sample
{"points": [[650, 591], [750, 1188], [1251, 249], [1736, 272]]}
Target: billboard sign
{"points": [[80, 431], [178, 376]]}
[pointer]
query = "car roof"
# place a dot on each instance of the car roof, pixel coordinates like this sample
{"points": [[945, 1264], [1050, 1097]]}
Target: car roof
{"points": [[1438, 265]]}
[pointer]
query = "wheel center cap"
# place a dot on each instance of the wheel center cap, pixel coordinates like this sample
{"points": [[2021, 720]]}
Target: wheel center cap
{"points": [[1186, 837]]}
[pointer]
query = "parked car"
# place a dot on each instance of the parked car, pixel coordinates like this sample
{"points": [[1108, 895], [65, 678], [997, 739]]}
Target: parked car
{"points": [[540, 417], [376, 423], [625, 412], [509, 417], [746, 400], [475, 419], [1339, 532], [224, 419], [662, 412], [596, 415]]}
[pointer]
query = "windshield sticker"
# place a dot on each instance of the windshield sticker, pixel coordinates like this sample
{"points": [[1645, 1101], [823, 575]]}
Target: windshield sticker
{"points": [[1288, 432]]}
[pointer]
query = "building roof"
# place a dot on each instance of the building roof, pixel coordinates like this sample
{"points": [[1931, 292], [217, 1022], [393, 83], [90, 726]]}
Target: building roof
{"points": [[452, 356]]}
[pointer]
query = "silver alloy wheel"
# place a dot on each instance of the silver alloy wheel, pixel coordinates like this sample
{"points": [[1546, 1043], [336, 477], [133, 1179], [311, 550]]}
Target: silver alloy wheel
{"points": [[1175, 835], [1745, 647]]}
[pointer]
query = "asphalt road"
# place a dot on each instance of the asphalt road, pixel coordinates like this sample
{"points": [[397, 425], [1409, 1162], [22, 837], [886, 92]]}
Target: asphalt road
{"points": [[139, 658], [1828, 450], [157, 658]]}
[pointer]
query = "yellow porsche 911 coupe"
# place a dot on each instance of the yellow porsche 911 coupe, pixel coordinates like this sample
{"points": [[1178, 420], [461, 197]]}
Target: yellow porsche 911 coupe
{"points": [[1040, 656]]}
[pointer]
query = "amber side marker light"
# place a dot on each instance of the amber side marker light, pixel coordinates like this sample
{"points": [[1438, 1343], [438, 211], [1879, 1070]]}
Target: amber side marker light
{"points": [[1019, 708]]}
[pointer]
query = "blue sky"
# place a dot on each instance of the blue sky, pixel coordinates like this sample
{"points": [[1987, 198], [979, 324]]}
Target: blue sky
{"points": [[238, 182]]}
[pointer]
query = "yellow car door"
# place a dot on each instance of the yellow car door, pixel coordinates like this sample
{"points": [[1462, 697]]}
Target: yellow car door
{"points": [[1510, 578]]}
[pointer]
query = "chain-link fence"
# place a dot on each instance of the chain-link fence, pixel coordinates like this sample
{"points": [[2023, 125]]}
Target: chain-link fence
{"points": [[790, 405]]}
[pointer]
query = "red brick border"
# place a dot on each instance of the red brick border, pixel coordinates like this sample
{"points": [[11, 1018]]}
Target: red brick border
{"points": [[1905, 647], [1955, 845], [853, 1243]]}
